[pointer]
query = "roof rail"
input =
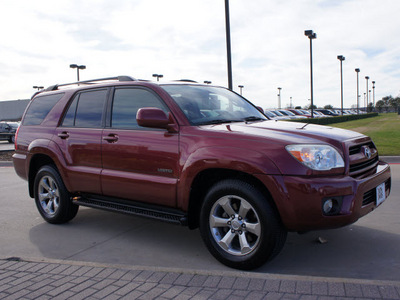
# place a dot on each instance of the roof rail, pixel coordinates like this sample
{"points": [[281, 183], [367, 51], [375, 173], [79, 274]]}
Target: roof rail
{"points": [[186, 80], [92, 81]]}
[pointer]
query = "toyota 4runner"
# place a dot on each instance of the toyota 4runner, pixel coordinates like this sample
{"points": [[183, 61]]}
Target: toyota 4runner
{"points": [[197, 155]]}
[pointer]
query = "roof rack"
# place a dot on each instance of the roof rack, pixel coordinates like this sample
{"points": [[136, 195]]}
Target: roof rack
{"points": [[92, 81], [186, 80]]}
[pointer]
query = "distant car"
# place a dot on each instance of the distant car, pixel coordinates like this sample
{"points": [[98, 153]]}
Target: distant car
{"points": [[291, 115], [7, 131], [271, 115], [280, 115], [327, 112]]}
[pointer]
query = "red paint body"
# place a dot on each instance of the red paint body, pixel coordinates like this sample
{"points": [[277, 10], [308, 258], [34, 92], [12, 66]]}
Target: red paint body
{"points": [[160, 166]]}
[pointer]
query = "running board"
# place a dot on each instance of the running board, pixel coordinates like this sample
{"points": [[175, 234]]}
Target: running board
{"points": [[131, 208]]}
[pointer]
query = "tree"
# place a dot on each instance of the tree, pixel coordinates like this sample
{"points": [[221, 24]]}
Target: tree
{"points": [[328, 106], [380, 105]]}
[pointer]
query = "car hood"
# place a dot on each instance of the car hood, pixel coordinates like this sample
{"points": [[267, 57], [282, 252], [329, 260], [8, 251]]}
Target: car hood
{"points": [[289, 132]]}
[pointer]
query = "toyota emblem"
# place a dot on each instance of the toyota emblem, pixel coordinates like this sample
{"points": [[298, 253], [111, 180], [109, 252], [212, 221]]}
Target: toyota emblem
{"points": [[367, 152]]}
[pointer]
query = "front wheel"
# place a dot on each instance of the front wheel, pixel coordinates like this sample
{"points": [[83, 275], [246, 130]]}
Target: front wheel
{"points": [[52, 199], [239, 226]]}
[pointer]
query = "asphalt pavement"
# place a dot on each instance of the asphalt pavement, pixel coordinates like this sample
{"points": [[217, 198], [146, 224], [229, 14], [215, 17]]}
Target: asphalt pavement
{"points": [[102, 255]]}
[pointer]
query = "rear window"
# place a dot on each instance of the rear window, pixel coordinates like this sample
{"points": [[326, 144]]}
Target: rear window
{"points": [[39, 108]]}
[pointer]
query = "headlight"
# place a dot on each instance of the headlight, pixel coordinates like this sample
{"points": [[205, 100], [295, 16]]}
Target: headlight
{"points": [[317, 157]]}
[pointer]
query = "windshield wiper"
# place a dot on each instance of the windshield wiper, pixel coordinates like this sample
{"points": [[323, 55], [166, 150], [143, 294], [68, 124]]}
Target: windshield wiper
{"points": [[220, 121], [253, 118]]}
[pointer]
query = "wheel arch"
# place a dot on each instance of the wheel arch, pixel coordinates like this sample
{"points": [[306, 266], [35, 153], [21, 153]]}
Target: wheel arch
{"points": [[207, 178]]}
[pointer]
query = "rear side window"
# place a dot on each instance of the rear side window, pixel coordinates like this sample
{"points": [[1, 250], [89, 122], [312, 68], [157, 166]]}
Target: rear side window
{"points": [[39, 108], [86, 110]]}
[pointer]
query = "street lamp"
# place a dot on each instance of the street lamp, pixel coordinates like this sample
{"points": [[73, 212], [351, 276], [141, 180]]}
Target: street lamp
{"points": [[311, 35], [367, 77], [38, 87], [365, 106], [77, 67], [358, 96], [373, 91], [240, 87], [341, 58], [158, 76], [279, 97], [228, 45]]}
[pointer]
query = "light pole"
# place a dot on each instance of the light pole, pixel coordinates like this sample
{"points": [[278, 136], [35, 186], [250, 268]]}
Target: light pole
{"points": [[228, 44], [240, 87], [341, 58], [373, 92], [366, 78], [358, 96], [365, 106], [311, 35], [279, 97], [38, 87], [77, 67], [158, 76]]}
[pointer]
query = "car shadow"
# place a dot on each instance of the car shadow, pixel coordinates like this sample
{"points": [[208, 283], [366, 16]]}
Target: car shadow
{"points": [[97, 236]]}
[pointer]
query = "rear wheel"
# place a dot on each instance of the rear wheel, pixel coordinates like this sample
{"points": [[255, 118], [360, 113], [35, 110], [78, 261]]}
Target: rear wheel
{"points": [[52, 198], [239, 226]]}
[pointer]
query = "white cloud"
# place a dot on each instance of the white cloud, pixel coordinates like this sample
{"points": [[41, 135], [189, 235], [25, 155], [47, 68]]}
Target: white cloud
{"points": [[186, 39]]}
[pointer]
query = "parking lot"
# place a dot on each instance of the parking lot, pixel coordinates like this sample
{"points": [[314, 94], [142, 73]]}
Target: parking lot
{"points": [[368, 249]]}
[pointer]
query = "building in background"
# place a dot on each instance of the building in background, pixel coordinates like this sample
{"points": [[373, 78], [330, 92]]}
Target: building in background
{"points": [[12, 110]]}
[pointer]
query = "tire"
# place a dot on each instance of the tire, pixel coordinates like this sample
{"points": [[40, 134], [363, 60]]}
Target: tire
{"points": [[52, 199], [239, 226]]}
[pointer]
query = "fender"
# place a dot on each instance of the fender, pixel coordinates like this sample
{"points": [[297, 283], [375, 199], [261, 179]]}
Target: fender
{"points": [[231, 158], [52, 150]]}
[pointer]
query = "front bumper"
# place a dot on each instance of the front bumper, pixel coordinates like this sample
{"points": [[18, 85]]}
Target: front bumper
{"points": [[299, 199]]}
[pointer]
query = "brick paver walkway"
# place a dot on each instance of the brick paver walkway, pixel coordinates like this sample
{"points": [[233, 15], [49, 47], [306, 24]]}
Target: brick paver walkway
{"points": [[23, 279]]}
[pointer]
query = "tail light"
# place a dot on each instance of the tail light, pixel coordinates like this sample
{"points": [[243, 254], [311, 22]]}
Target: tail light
{"points": [[15, 140]]}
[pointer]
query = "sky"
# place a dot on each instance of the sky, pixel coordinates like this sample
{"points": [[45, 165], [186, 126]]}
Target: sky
{"points": [[185, 39]]}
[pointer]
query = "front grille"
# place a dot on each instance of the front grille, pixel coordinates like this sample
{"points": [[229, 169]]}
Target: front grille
{"points": [[357, 149], [363, 165], [360, 164]]}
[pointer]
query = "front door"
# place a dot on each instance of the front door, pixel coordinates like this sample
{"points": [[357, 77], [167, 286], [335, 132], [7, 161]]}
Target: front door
{"points": [[139, 164]]}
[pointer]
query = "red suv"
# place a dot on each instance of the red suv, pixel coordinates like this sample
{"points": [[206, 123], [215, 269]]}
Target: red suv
{"points": [[196, 155]]}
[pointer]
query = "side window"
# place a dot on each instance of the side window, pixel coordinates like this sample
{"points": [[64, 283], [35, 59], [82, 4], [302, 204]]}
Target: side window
{"points": [[39, 108], [86, 110], [126, 104]]}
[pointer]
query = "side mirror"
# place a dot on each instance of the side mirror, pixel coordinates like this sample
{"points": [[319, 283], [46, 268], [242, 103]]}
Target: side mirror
{"points": [[260, 109], [152, 117]]}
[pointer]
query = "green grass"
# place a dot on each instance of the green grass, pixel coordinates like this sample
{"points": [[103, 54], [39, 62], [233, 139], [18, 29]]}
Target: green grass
{"points": [[383, 129]]}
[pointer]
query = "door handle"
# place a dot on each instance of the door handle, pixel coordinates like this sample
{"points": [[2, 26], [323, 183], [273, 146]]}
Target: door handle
{"points": [[111, 138], [63, 135]]}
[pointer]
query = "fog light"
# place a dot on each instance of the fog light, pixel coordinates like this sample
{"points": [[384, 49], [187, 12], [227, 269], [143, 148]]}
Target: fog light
{"points": [[328, 206], [332, 206]]}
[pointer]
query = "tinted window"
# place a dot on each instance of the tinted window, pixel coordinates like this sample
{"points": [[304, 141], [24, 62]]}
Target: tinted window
{"points": [[39, 108], [69, 118], [126, 104], [86, 110], [212, 105]]}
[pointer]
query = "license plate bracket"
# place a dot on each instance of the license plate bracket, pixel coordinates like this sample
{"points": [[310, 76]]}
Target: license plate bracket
{"points": [[380, 194]]}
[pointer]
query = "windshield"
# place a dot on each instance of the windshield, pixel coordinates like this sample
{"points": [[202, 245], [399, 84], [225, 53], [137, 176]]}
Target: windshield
{"points": [[204, 105]]}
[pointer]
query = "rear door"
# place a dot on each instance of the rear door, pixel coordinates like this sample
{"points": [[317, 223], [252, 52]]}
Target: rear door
{"points": [[139, 163], [79, 138]]}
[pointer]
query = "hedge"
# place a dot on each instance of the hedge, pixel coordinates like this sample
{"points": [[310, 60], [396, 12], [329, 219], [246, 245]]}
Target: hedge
{"points": [[338, 119]]}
